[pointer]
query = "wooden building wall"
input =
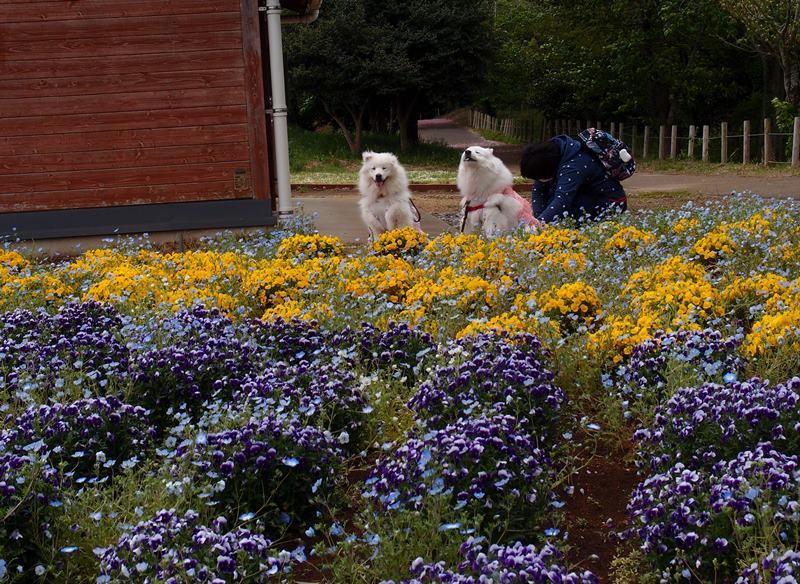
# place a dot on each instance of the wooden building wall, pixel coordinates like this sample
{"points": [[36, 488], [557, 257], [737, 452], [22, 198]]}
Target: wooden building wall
{"points": [[130, 102]]}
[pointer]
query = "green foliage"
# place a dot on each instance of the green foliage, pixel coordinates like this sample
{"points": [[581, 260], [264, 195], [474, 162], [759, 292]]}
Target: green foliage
{"points": [[402, 536], [785, 113], [391, 58], [655, 59], [773, 28], [328, 150]]}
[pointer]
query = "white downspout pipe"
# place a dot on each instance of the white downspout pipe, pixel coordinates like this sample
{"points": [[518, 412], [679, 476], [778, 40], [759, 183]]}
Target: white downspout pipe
{"points": [[279, 110]]}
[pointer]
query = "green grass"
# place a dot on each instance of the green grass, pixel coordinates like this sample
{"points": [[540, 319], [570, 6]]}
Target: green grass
{"points": [[324, 157], [715, 168], [499, 136]]}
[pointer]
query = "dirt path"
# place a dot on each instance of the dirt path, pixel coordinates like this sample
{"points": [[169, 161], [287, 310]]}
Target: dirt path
{"points": [[596, 509]]}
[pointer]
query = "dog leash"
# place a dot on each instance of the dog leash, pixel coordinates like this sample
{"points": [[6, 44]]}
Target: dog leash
{"points": [[418, 218], [467, 211]]}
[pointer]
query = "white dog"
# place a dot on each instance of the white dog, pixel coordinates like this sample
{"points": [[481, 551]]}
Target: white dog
{"points": [[385, 199], [488, 201]]}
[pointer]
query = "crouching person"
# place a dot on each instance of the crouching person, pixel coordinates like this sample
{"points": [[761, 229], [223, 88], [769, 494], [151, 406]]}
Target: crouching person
{"points": [[577, 178]]}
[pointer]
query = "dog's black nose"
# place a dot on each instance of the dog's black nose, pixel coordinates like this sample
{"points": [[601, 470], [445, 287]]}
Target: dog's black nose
{"points": [[378, 177], [467, 154]]}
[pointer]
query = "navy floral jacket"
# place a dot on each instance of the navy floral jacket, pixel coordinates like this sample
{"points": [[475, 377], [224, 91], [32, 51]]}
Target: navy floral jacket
{"points": [[580, 187]]}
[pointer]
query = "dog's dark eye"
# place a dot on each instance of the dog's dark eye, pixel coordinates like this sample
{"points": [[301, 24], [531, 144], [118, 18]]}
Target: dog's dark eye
{"points": [[373, 168]]}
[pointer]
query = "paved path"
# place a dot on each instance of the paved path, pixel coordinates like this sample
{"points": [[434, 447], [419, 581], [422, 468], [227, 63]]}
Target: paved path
{"points": [[766, 186], [458, 137], [337, 211], [339, 215], [447, 131]]}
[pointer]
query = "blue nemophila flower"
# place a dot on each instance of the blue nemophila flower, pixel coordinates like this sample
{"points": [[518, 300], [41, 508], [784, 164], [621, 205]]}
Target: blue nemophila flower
{"points": [[701, 425], [80, 341], [705, 356], [685, 515], [498, 563], [780, 566], [496, 376], [268, 465], [490, 464], [171, 545]]}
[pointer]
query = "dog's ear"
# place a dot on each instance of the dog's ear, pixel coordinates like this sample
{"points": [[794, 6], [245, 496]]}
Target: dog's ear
{"points": [[491, 150], [367, 155]]}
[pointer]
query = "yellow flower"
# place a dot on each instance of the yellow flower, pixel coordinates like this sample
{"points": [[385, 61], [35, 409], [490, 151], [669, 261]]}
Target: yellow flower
{"points": [[504, 323], [572, 301], [676, 292], [302, 247], [568, 261], [617, 337], [631, 238], [273, 281], [684, 225], [405, 240], [13, 261], [774, 330], [554, 239], [286, 311]]}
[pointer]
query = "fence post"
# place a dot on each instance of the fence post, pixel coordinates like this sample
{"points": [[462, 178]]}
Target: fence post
{"points": [[723, 135], [673, 144], [767, 141], [796, 143], [633, 141], [706, 138], [589, 124], [613, 129], [746, 142], [662, 142], [620, 131], [692, 137], [599, 126], [646, 149]]}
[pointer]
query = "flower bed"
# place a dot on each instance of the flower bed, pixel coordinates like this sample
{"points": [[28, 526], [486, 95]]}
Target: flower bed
{"points": [[276, 407]]}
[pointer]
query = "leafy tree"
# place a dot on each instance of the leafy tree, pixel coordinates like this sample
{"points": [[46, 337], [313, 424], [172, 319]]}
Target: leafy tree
{"points": [[440, 49], [337, 62], [654, 59], [773, 26], [399, 55]]}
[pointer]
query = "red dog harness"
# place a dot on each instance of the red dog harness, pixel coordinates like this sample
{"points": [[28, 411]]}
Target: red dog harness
{"points": [[525, 213]]}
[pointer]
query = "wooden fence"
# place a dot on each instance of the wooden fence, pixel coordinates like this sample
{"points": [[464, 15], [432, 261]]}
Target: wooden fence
{"points": [[721, 143]]}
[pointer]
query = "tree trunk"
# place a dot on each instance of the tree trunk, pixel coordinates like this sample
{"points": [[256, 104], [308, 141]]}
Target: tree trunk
{"points": [[406, 121], [353, 138], [773, 83], [358, 122], [791, 77]]}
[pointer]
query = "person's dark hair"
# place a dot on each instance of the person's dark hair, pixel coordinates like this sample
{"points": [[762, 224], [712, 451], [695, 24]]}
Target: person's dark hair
{"points": [[540, 161]]}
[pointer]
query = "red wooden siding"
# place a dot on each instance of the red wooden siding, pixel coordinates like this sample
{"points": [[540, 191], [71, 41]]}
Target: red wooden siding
{"points": [[115, 102]]}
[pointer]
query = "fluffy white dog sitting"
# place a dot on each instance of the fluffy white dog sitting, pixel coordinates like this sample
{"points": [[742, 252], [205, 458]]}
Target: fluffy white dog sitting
{"points": [[385, 199], [488, 201]]}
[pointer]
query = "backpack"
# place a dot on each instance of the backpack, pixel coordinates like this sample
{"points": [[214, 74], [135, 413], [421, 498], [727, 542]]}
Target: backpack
{"points": [[614, 154]]}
